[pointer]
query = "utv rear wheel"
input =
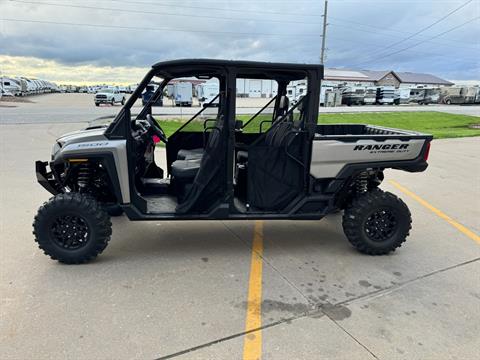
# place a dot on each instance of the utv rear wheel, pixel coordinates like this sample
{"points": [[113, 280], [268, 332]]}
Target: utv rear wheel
{"points": [[377, 222], [72, 228]]}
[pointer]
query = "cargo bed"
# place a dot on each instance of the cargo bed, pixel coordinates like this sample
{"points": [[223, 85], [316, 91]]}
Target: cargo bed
{"points": [[337, 147], [362, 130]]}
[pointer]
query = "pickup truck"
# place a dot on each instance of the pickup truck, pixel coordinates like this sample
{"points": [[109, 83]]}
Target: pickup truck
{"points": [[109, 96]]}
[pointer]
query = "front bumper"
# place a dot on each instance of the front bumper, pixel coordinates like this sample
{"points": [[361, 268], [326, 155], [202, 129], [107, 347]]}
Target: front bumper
{"points": [[103, 101], [44, 178]]}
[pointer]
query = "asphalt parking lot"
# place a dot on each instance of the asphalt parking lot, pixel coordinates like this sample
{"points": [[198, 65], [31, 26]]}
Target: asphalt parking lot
{"points": [[71, 108], [235, 290]]}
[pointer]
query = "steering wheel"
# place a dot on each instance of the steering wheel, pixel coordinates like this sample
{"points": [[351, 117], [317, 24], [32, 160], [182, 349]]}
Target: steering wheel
{"points": [[157, 130]]}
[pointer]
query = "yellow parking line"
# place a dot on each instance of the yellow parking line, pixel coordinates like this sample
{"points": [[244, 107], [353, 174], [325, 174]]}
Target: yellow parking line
{"points": [[439, 213], [252, 346]]}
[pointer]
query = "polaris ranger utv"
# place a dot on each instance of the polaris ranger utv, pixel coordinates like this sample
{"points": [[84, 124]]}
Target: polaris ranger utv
{"points": [[280, 164]]}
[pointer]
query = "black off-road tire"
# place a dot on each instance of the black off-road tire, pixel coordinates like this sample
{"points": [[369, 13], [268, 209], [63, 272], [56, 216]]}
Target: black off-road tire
{"points": [[83, 209], [377, 222]]}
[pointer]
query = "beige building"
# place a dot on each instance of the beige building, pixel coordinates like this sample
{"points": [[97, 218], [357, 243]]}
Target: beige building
{"points": [[382, 78]]}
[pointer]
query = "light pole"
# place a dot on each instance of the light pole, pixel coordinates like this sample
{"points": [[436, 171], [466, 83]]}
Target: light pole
{"points": [[324, 35]]}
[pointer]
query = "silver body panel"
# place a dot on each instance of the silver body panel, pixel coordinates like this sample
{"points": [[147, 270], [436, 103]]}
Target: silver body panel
{"points": [[94, 141], [330, 156], [82, 136]]}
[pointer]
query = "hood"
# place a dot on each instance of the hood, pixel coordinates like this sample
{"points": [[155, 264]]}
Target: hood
{"points": [[104, 93], [89, 134]]}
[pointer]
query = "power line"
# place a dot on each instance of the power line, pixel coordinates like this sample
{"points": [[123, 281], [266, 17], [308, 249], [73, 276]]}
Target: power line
{"points": [[390, 35], [214, 8], [426, 27], [421, 42], [376, 46], [398, 31], [161, 13], [150, 28]]}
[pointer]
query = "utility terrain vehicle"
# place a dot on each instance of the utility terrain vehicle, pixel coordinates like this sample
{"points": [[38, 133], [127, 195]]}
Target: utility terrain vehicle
{"points": [[277, 164]]}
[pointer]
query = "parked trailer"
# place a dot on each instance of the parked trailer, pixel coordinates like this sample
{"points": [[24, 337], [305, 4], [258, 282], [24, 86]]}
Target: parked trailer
{"points": [[23, 86], [353, 95], [182, 94], [370, 95], [424, 96], [294, 92], [323, 90], [459, 95], [207, 92], [401, 96], [11, 85], [385, 95], [333, 98]]}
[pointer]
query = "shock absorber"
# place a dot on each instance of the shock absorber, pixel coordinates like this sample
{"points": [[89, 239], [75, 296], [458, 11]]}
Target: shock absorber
{"points": [[361, 183], [84, 173]]}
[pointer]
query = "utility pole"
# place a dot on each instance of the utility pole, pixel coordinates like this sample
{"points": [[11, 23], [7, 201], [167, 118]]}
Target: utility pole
{"points": [[324, 35]]}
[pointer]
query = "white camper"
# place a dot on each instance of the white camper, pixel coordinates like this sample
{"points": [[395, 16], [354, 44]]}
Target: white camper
{"points": [[385, 95], [370, 95], [294, 92], [207, 92], [11, 85], [182, 94], [323, 90], [401, 96]]}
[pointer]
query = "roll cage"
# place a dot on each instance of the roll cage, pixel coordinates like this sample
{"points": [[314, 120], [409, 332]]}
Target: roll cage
{"points": [[228, 72]]}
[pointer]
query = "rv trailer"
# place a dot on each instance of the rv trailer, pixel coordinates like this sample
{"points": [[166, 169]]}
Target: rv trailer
{"points": [[182, 94], [385, 95], [401, 96], [353, 95], [459, 95], [370, 95]]}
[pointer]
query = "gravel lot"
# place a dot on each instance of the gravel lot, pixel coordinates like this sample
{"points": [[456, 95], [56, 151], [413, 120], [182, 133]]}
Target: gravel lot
{"points": [[179, 289]]}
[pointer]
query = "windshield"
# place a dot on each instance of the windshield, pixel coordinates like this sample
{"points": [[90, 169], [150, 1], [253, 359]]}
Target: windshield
{"points": [[108, 91]]}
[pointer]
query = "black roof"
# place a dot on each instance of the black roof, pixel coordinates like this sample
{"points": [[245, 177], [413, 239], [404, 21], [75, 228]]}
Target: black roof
{"points": [[253, 69]]}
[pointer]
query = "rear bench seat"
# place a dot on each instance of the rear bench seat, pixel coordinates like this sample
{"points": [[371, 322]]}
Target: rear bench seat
{"points": [[190, 154]]}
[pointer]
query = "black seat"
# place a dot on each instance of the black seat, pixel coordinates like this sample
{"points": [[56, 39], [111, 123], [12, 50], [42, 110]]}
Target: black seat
{"points": [[184, 154], [272, 134], [188, 162], [185, 169], [197, 193]]}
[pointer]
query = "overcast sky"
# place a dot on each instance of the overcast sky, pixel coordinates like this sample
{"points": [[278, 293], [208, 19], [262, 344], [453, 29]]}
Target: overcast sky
{"points": [[126, 37]]}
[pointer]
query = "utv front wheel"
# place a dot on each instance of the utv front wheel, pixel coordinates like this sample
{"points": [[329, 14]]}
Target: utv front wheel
{"points": [[377, 222], [72, 228]]}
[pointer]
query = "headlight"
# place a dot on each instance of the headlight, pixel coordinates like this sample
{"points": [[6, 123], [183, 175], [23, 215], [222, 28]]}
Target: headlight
{"points": [[56, 148]]}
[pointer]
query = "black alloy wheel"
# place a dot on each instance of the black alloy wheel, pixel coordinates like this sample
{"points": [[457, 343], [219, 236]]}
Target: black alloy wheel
{"points": [[377, 222]]}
